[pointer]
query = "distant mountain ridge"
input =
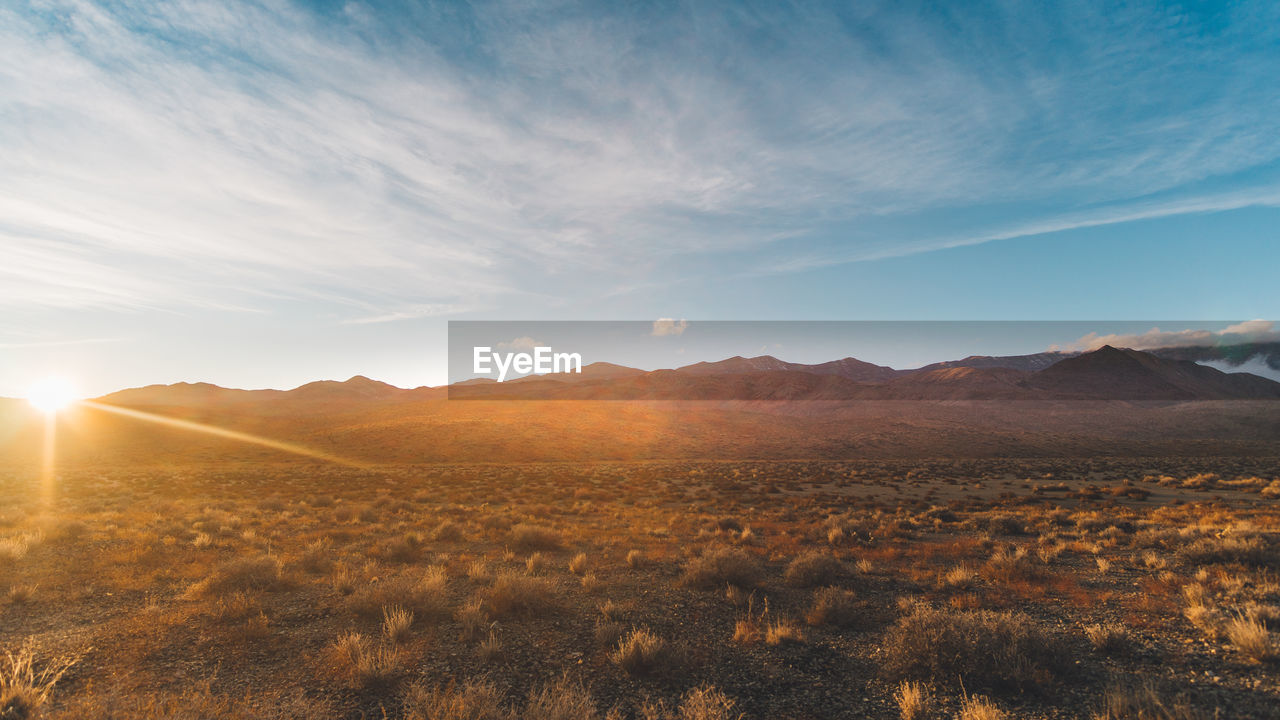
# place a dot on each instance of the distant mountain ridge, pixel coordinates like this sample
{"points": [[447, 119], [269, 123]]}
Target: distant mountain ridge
{"points": [[1105, 374], [848, 368], [1028, 363]]}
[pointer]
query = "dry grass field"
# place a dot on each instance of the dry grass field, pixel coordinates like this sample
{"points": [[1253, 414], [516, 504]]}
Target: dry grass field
{"points": [[1104, 588]]}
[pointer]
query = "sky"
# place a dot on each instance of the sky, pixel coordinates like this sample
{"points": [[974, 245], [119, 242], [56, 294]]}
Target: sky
{"points": [[264, 194]]}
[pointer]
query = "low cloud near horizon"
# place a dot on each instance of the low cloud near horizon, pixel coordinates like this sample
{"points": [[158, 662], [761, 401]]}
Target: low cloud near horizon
{"points": [[668, 326], [1250, 331]]}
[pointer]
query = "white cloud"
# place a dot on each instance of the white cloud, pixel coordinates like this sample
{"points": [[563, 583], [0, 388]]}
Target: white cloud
{"points": [[669, 326], [1252, 331], [524, 343], [1256, 365]]}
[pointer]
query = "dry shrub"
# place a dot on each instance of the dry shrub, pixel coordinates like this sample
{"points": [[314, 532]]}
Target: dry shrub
{"points": [[1200, 481], [362, 663], [404, 549], [749, 629], [536, 564], [1005, 524], [473, 619], [722, 565], [261, 573], [728, 524], [16, 547], [396, 622], [515, 594], [958, 577], [448, 531], [1252, 639], [641, 652], [611, 610], [1253, 551], [914, 701], [474, 700], [1142, 702], [318, 556], [701, 703], [783, 630], [1012, 565], [478, 571], [1207, 619], [21, 594], [738, 597], [534, 537], [980, 648], [636, 559], [578, 565], [812, 569], [235, 607], [835, 536], [608, 632], [490, 649], [343, 580], [1202, 613], [834, 606], [563, 699], [423, 594], [976, 707], [1109, 638], [25, 685], [592, 584]]}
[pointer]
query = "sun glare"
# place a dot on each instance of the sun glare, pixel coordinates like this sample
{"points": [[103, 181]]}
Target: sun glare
{"points": [[51, 394]]}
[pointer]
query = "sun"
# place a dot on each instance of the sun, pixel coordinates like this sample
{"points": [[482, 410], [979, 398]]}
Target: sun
{"points": [[51, 395]]}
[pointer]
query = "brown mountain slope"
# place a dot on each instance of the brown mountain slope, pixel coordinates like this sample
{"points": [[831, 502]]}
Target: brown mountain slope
{"points": [[1121, 374]]}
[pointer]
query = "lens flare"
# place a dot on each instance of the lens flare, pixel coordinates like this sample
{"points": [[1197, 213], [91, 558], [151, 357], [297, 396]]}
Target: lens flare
{"points": [[51, 395]]}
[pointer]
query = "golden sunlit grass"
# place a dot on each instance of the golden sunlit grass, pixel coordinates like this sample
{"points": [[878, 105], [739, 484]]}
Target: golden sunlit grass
{"points": [[27, 682], [542, 589], [641, 652], [914, 701]]}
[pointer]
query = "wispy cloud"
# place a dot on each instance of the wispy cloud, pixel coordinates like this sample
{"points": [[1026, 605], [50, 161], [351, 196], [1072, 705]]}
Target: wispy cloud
{"points": [[1110, 214], [409, 313], [233, 154], [55, 343]]}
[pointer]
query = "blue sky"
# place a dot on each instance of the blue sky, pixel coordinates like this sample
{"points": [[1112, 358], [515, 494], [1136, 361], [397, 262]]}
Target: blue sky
{"points": [[263, 194]]}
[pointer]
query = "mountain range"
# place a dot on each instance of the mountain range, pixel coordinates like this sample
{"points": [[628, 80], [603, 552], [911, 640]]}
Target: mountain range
{"points": [[1111, 401], [1105, 374]]}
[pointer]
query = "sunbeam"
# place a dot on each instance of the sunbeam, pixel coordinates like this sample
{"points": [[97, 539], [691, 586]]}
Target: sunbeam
{"points": [[223, 432]]}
